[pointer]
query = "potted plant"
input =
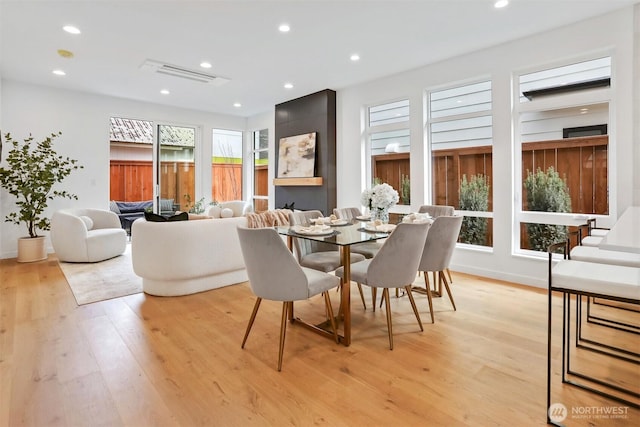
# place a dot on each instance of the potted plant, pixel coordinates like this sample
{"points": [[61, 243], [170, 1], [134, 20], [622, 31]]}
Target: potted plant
{"points": [[33, 168]]}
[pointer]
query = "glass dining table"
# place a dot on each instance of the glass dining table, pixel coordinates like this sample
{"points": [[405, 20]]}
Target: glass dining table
{"points": [[342, 236]]}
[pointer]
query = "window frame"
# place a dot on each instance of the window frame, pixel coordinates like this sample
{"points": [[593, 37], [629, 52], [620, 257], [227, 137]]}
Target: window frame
{"points": [[428, 140], [593, 96]]}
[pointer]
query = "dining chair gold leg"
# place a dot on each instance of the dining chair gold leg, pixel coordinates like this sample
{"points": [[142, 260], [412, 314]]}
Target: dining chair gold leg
{"points": [[413, 305], [437, 285], [385, 296], [283, 330], [361, 295], [256, 306], [332, 320], [382, 299], [449, 274], [446, 285], [429, 297]]}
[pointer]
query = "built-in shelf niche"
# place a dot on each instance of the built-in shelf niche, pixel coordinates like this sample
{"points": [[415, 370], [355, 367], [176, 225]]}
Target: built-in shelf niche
{"points": [[310, 181]]}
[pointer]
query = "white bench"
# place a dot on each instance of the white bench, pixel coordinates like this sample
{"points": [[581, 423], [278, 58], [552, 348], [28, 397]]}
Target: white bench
{"points": [[591, 240], [582, 278], [605, 280], [601, 256]]}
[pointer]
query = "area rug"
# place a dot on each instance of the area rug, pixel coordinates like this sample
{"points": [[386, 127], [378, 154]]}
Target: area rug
{"points": [[99, 281]]}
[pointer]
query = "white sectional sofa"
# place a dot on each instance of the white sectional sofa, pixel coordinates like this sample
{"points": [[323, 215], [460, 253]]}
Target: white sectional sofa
{"points": [[185, 257]]}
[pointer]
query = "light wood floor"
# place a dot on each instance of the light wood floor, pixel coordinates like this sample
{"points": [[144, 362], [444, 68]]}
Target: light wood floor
{"points": [[149, 361]]}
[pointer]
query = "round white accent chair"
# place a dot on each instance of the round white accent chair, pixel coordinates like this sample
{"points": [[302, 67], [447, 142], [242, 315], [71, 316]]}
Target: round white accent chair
{"points": [[87, 235]]}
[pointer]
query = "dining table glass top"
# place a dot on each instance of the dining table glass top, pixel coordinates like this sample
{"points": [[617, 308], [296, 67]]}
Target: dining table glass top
{"points": [[344, 235]]}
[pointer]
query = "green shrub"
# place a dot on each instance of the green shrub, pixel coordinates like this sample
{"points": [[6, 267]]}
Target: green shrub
{"points": [[474, 196], [405, 190], [546, 192]]}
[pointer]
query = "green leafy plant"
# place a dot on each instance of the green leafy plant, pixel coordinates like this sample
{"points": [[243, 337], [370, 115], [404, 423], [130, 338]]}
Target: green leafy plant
{"points": [[546, 192], [34, 167], [405, 189], [474, 196], [195, 208]]}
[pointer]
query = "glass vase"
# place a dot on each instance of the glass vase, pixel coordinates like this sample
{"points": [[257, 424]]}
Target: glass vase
{"points": [[381, 214]]}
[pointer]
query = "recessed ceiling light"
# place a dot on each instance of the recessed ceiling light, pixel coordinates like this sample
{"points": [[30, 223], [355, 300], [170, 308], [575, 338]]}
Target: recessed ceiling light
{"points": [[71, 29], [165, 92], [59, 73], [288, 86], [284, 28], [237, 104], [205, 64], [355, 57], [500, 3]]}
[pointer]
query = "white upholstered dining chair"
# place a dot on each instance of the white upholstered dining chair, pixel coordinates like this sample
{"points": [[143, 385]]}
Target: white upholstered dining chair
{"points": [[437, 252], [435, 211], [368, 249], [274, 274], [320, 256], [394, 266]]}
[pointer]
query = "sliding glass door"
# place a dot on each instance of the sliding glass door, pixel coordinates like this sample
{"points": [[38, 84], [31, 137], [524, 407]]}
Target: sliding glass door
{"points": [[176, 168]]}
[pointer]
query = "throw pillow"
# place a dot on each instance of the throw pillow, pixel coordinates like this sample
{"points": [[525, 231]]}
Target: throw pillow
{"points": [[166, 205], [226, 213], [214, 211], [87, 221], [182, 216], [113, 206], [151, 217]]}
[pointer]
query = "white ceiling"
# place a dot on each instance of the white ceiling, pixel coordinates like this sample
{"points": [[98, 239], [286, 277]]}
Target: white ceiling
{"points": [[242, 41]]}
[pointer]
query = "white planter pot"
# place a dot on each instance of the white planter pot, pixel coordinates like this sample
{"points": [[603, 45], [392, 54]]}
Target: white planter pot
{"points": [[32, 249]]}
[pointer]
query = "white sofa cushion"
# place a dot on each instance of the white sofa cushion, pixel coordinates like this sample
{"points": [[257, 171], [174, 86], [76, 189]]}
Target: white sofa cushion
{"points": [[88, 222]]}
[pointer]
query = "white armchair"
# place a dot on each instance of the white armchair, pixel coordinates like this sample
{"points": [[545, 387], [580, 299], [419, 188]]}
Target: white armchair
{"points": [[87, 235]]}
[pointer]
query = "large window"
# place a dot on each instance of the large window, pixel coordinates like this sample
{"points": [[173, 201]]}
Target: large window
{"points": [[177, 172], [261, 170], [390, 146], [130, 160], [563, 118], [226, 165], [461, 138]]}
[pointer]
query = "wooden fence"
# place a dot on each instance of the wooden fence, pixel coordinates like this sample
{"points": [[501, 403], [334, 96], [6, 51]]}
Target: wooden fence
{"points": [[133, 181], [581, 161]]}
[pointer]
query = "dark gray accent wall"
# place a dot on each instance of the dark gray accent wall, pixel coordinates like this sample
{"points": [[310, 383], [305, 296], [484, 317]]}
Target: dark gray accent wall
{"points": [[311, 113]]}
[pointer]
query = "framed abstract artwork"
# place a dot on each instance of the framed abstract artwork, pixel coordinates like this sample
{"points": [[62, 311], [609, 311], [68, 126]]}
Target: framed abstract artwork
{"points": [[297, 156]]}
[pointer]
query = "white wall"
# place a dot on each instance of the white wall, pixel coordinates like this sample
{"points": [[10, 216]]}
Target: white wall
{"points": [[636, 107], [84, 121], [262, 121], [612, 34]]}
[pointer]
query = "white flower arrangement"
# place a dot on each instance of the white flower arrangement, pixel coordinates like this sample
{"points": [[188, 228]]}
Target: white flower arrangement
{"points": [[381, 196]]}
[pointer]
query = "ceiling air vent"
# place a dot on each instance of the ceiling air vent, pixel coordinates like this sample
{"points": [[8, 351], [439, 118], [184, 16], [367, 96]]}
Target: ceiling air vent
{"points": [[185, 73]]}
